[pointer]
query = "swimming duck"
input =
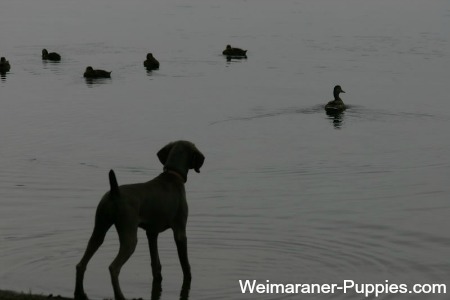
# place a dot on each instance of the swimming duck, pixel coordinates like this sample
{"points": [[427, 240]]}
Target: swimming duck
{"points": [[53, 56], [151, 63], [4, 65], [91, 73], [337, 105], [229, 51]]}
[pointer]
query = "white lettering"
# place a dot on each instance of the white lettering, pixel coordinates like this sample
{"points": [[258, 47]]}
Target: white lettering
{"points": [[247, 285]]}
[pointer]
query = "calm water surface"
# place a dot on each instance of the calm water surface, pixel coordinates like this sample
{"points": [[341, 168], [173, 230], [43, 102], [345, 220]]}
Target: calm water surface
{"points": [[287, 194]]}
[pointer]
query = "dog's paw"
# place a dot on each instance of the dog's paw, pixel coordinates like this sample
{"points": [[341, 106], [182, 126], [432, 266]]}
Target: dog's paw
{"points": [[81, 296]]}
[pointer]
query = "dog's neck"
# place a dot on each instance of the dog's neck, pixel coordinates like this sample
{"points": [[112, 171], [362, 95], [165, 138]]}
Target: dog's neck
{"points": [[175, 173]]}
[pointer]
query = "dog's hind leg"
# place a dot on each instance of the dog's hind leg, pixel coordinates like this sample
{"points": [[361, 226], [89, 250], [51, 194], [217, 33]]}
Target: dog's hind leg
{"points": [[98, 236], [128, 241], [154, 256]]}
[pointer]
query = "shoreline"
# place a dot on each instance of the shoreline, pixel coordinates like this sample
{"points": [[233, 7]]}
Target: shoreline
{"points": [[12, 295]]}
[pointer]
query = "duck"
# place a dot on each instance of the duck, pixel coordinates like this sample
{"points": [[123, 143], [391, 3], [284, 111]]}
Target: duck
{"points": [[91, 73], [229, 51], [4, 65], [53, 56], [151, 63], [337, 105]]}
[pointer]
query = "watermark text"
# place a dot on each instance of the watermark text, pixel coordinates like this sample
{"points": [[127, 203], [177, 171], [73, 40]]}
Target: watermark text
{"points": [[347, 286]]}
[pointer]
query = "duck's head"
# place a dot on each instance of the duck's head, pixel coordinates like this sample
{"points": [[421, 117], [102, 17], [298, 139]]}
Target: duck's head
{"points": [[3, 59], [149, 55], [336, 91], [89, 69], [44, 52], [228, 47]]}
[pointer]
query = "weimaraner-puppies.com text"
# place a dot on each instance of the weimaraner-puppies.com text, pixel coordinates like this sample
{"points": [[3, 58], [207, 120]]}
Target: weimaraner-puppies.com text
{"points": [[155, 206]]}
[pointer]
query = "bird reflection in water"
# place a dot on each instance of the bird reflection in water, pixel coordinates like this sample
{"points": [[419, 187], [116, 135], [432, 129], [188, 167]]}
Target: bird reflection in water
{"points": [[337, 118]]}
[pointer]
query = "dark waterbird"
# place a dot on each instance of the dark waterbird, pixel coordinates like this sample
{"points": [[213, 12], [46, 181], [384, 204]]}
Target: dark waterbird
{"points": [[4, 65], [337, 105], [151, 63], [91, 73], [52, 56], [234, 52]]}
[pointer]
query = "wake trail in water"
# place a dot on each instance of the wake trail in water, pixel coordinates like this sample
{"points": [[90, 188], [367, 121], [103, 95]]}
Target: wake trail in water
{"points": [[353, 111]]}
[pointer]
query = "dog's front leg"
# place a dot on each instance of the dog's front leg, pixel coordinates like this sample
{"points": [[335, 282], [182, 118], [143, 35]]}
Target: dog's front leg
{"points": [[154, 256], [181, 242]]}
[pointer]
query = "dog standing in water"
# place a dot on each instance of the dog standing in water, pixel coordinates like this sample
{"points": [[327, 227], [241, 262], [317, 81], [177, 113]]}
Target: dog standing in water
{"points": [[155, 206]]}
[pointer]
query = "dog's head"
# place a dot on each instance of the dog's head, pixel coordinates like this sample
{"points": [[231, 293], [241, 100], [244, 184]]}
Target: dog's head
{"points": [[180, 156]]}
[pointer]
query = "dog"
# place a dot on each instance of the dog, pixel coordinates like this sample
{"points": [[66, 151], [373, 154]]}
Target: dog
{"points": [[155, 206]]}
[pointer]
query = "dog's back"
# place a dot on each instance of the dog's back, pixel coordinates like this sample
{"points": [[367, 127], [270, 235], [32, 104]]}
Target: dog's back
{"points": [[156, 204]]}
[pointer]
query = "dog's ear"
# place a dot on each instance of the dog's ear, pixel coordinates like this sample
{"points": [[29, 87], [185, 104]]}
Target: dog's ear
{"points": [[163, 154], [198, 161]]}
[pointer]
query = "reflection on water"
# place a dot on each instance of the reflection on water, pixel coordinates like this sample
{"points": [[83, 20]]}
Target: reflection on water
{"points": [[357, 113], [92, 81], [157, 291], [337, 118], [50, 62], [235, 58], [150, 72]]}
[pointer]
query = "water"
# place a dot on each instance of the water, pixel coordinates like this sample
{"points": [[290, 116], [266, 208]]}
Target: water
{"points": [[287, 194]]}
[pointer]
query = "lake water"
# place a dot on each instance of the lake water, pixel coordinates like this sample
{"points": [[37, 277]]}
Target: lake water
{"points": [[286, 194]]}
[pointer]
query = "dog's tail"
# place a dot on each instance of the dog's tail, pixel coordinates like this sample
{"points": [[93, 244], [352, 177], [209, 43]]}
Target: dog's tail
{"points": [[113, 183]]}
